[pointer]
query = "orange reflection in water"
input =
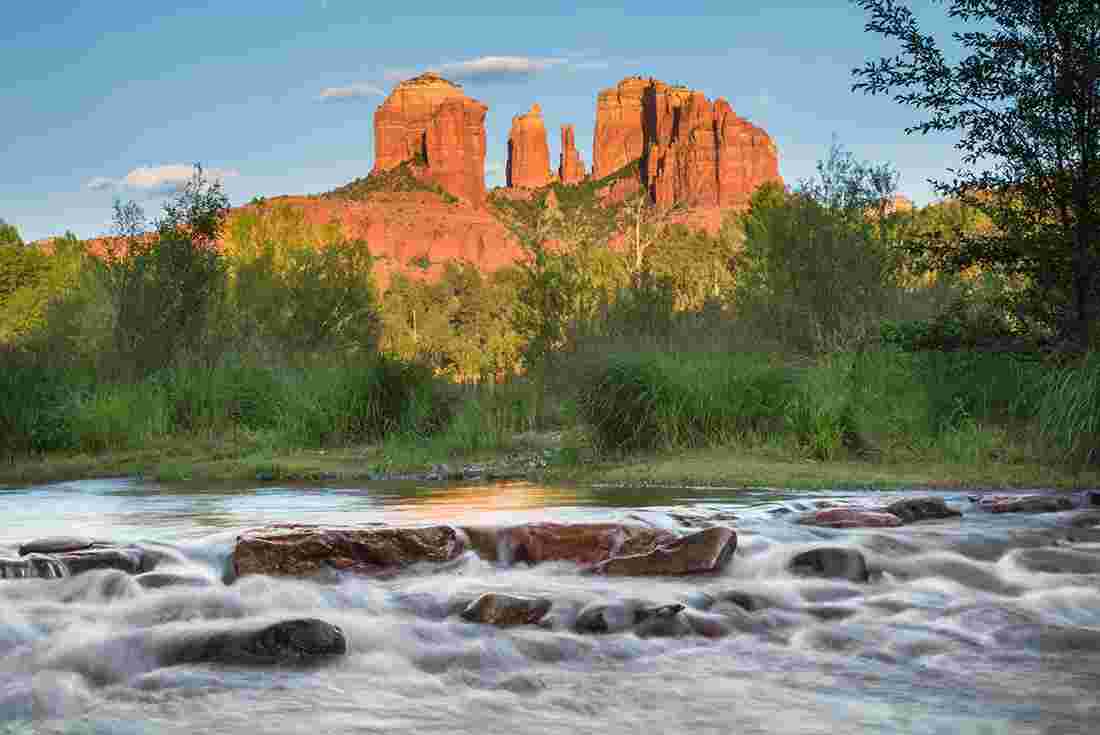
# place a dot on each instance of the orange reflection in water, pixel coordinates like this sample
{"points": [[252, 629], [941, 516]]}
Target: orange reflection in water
{"points": [[452, 503]]}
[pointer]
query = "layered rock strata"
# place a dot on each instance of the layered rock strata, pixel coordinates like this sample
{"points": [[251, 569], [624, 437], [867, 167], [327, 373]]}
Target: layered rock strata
{"points": [[430, 123], [528, 151], [693, 152]]}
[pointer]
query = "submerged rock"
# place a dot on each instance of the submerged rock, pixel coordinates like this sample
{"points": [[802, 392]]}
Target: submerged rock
{"points": [[32, 566], [506, 610], [157, 580], [55, 545], [297, 551], [911, 510], [849, 518], [290, 642], [831, 562], [703, 552], [615, 617], [1025, 503]]}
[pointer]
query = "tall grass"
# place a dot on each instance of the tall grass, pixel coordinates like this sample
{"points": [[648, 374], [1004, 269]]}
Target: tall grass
{"points": [[1069, 410], [871, 403]]}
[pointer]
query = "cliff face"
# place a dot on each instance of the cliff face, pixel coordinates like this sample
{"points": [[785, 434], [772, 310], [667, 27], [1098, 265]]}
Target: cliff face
{"points": [[694, 152], [431, 122], [528, 151], [570, 166]]}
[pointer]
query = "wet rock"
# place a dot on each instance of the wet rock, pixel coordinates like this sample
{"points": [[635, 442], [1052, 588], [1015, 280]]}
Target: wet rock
{"points": [[664, 621], [581, 543], [1084, 536], [744, 600], [99, 586], [290, 642], [708, 625], [703, 552], [1050, 638], [1025, 503], [32, 566], [506, 610], [1057, 561], [1090, 519], [831, 562], [615, 617], [849, 518], [129, 559], [911, 510], [158, 580], [55, 545], [305, 550]]}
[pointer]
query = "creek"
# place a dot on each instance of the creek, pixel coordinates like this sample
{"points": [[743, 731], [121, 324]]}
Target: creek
{"points": [[988, 623]]}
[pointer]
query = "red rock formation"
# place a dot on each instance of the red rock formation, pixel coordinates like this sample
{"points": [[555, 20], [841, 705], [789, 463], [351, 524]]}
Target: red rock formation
{"points": [[618, 138], [694, 152], [431, 122], [400, 227], [528, 151], [570, 167]]}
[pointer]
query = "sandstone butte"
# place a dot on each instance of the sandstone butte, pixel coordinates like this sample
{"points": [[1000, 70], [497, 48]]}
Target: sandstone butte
{"points": [[430, 122], [570, 167], [528, 151], [693, 152]]}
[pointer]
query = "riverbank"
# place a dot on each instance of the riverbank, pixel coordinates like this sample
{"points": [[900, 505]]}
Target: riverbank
{"points": [[545, 456]]}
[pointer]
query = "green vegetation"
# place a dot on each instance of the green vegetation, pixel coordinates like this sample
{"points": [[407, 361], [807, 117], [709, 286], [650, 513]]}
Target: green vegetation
{"points": [[401, 178], [823, 337]]}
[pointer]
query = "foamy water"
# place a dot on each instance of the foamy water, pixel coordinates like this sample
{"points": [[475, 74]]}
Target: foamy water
{"points": [[988, 624]]}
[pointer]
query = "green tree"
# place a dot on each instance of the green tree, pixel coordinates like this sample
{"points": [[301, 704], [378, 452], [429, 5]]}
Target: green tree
{"points": [[163, 283], [9, 234], [1021, 88]]}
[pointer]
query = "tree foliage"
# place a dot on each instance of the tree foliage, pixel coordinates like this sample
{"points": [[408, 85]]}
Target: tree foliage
{"points": [[1021, 88]]}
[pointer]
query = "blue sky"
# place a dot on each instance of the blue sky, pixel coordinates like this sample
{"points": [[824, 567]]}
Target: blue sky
{"points": [[115, 98]]}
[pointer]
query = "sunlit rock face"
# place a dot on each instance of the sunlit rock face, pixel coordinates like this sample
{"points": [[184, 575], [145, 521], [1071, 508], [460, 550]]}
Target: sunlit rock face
{"points": [[694, 152], [528, 151], [570, 167], [431, 122]]}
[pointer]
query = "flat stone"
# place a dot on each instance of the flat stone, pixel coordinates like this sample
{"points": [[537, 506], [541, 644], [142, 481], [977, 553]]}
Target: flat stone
{"points": [[290, 642], [580, 543], [703, 552], [506, 610], [129, 559], [55, 545], [298, 551], [849, 518], [911, 510], [1026, 503], [158, 580], [832, 563]]}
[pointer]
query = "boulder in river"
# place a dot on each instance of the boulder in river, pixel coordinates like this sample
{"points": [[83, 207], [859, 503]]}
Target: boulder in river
{"points": [[703, 552], [290, 642], [129, 559], [849, 518], [502, 610], [157, 580], [832, 562], [580, 543], [911, 510], [55, 545], [1025, 503], [297, 551]]}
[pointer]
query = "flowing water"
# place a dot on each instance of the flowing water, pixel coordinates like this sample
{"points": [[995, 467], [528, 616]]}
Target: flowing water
{"points": [[988, 624]]}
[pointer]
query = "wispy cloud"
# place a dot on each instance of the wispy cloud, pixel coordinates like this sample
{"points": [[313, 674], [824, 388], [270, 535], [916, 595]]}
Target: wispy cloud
{"points": [[154, 181], [489, 69], [356, 91]]}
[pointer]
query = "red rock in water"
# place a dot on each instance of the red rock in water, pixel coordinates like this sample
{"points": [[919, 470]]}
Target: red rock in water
{"points": [[570, 167], [581, 543], [528, 151], [850, 518], [702, 552], [693, 152], [432, 123]]}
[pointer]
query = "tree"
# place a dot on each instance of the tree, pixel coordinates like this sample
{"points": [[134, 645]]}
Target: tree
{"points": [[1024, 98], [163, 283], [644, 224], [9, 235]]}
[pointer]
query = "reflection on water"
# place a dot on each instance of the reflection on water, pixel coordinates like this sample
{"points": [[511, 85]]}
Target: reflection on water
{"points": [[985, 624]]}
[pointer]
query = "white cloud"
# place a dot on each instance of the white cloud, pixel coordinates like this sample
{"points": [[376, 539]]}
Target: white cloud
{"points": [[497, 68], [157, 180], [358, 90]]}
